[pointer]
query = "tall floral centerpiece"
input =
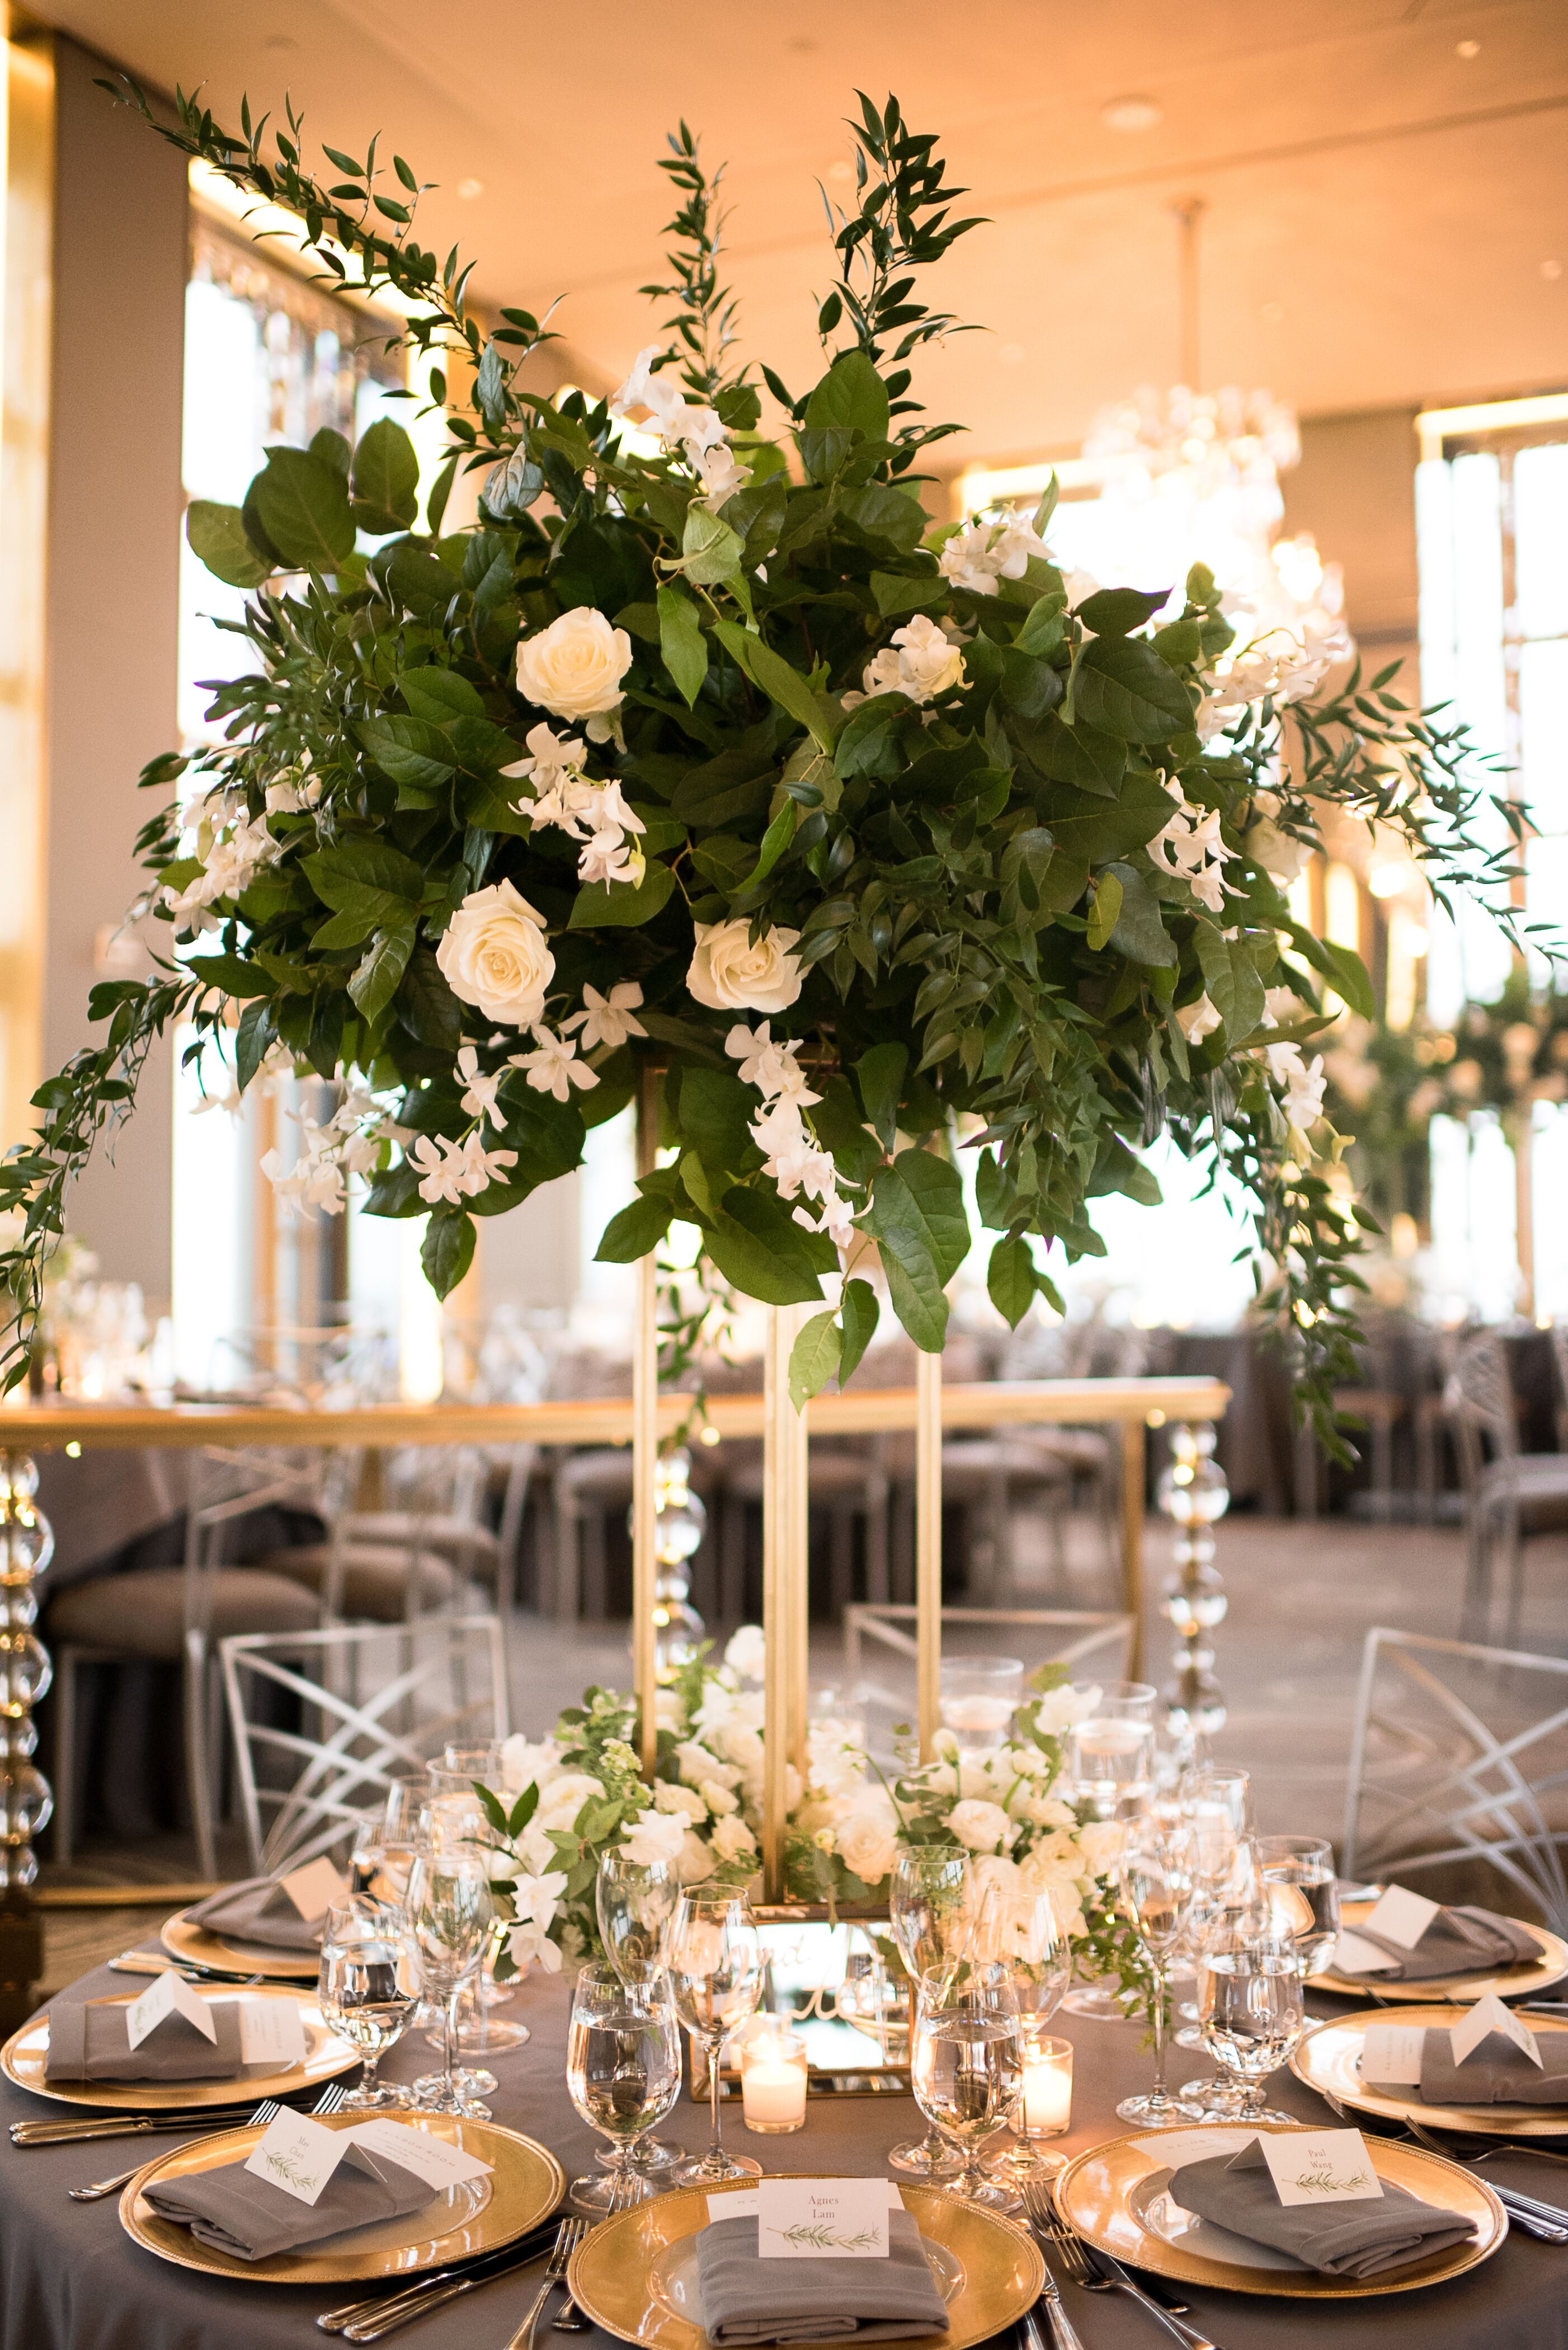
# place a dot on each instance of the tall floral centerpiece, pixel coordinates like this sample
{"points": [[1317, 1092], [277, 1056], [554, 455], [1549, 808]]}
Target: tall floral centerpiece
{"points": [[711, 748]]}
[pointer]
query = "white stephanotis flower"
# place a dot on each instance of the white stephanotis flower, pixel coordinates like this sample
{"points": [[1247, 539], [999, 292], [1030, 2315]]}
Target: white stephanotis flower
{"points": [[720, 475], [607, 1019], [977, 557], [1198, 1020], [480, 1090], [553, 1067], [1190, 849], [923, 662], [443, 1169]]}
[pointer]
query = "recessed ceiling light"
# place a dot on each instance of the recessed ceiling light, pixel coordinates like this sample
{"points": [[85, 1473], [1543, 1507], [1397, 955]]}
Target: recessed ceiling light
{"points": [[841, 171], [1551, 269], [1131, 114], [1273, 311], [469, 189], [1467, 50]]}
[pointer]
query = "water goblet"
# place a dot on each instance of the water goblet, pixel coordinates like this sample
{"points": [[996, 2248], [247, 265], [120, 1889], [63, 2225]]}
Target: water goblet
{"points": [[1018, 1931], [715, 1961], [1303, 1894], [635, 1901], [368, 1988], [967, 2069], [1154, 1884], [623, 2075], [931, 1910], [1251, 2013], [450, 1910]]}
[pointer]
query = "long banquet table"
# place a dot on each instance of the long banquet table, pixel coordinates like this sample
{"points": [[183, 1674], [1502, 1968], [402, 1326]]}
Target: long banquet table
{"points": [[71, 2280]]}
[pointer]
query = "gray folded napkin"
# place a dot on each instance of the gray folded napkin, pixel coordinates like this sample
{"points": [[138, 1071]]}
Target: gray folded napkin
{"points": [[1348, 2240], [88, 2042], [1456, 1942], [1495, 2074], [250, 2219], [746, 2300], [257, 1910]]}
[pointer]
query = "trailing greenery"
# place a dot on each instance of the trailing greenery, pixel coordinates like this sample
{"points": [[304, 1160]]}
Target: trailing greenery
{"points": [[1000, 873]]}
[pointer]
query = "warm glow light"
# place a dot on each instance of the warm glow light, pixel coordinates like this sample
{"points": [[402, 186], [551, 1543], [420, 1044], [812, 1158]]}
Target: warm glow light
{"points": [[979, 487], [1436, 425], [1388, 880]]}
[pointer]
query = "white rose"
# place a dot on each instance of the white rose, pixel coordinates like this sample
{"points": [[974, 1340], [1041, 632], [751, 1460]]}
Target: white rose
{"points": [[984, 1827], [868, 1844], [564, 1798], [698, 1765], [719, 1800], [694, 1861], [1100, 1842], [525, 1764], [727, 973], [747, 1651], [740, 1745], [683, 1802], [653, 1836], [574, 668], [493, 953], [732, 1838]]}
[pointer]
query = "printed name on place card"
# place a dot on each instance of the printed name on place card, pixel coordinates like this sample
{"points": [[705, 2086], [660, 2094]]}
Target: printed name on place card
{"points": [[743, 2203], [315, 1890], [272, 2031], [1400, 1916], [429, 2157], [1321, 2167], [1489, 2014], [297, 2154], [170, 1995], [1351, 1956], [822, 2220], [1391, 2053]]}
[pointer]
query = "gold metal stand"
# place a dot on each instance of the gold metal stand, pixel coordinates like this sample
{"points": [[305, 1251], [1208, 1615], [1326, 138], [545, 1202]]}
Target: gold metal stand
{"points": [[785, 1590], [929, 1544], [645, 1452]]}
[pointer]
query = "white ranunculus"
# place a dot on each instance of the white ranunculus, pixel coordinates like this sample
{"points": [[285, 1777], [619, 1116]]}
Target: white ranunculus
{"points": [[694, 1861], [727, 973], [868, 1844], [740, 1744], [983, 1828], [574, 668], [1101, 1841], [564, 1798], [528, 1945], [526, 1765], [747, 1650], [653, 1836], [732, 1837], [494, 953], [719, 1800], [697, 1763], [683, 1803]]}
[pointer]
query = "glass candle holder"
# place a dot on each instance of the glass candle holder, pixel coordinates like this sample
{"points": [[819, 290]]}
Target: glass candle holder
{"points": [[773, 2080], [1046, 2108], [978, 1696]]}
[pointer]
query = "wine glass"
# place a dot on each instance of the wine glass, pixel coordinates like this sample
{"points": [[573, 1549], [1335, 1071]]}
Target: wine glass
{"points": [[1154, 1873], [931, 1910], [450, 1911], [967, 2069], [715, 1967], [1018, 1930], [1303, 1894], [635, 1901], [367, 1989], [1214, 1806], [1251, 2011], [623, 2075], [454, 1803]]}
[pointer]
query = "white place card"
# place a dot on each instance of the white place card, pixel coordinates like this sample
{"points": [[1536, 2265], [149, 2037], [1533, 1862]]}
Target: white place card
{"points": [[1321, 2167], [272, 2031], [1488, 2015], [742, 2204], [1391, 2053], [315, 1890], [298, 2155], [1401, 1916], [822, 2220], [429, 2157], [1171, 2149], [1351, 1956], [170, 1994]]}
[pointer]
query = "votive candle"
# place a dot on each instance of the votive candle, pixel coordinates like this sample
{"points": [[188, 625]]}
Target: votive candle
{"points": [[773, 2082], [1047, 2085]]}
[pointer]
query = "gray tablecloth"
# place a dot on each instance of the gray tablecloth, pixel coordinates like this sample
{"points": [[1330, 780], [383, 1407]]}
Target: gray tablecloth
{"points": [[71, 2280]]}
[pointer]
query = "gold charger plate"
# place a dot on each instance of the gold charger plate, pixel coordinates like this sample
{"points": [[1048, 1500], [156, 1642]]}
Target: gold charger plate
{"points": [[1328, 2060], [627, 2275], [479, 2216], [196, 1947], [1513, 1982], [23, 2056], [1113, 2195]]}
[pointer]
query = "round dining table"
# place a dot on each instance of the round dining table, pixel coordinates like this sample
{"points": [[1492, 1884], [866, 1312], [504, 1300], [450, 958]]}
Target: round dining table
{"points": [[71, 2278]]}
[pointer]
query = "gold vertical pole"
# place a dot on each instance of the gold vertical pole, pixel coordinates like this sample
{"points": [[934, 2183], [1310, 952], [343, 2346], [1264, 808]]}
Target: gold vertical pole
{"points": [[928, 1543], [777, 1615], [645, 1450], [797, 1555], [1133, 1474]]}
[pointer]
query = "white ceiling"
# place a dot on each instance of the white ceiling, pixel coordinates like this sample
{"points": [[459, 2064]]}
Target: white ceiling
{"points": [[1386, 216]]}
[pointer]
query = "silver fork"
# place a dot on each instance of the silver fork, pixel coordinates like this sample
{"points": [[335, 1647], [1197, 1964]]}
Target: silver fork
{"points": [[568, 2236], [328, 2102], [1048, 2224], [622, 2197]]}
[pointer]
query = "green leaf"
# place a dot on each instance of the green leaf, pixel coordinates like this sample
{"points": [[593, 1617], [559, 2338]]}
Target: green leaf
{"points": [[379, 971], [1010, 1278], [332, 448], [1116, 612], [753, 1246], [410, 750], [1085, 825], [1341, 966], [1044, 626], [917, 1217], [812, 1359], [257, 1031], [1231, 981], [437, 695], [1124, 689], [715, 1112], [634, 1232], [356, 869], [447, 1250], [303, 506], [766, 668], [851, 395], [885, 513], [235, 974], [776, 841], [1077, 754], [385, 481], [427, 1006], [613, 905], [1138, 931], [859, 1313], [709, 549], [1105, 910], [217, 537], [879, 1074], [897, 592], [682, 643]]}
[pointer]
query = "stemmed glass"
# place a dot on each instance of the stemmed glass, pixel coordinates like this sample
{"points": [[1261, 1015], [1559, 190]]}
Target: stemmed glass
{"points": [[1018, 1931], [1111, 1766], [1156, 1886], [1252, 2012], [1303, 1894], [931, 1910], [451, 1913], [967, 2069], [623, 2075], [635, 1901], [1214, 1806], [715, 1967], [367, 1989]]}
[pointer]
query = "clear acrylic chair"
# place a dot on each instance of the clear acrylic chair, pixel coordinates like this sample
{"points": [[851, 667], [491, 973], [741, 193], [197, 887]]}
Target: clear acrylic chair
{"points": [[1510, 1495]]}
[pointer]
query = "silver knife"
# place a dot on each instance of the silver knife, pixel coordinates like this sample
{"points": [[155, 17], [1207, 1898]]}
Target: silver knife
{"points": [[1063, 2334]]}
